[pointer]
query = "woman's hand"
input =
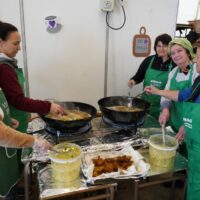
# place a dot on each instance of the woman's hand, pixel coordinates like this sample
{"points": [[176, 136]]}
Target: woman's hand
{"points": [[151, 90], [41, 145], [131, 83], [14, 123], [57, 109], [164, 117], [180, 135]]}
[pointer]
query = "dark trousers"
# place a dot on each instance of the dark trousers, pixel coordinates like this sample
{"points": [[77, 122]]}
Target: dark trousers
{"points": [[12, 194]]}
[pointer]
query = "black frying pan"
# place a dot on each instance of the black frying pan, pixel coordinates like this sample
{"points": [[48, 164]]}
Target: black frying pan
{"points": [[123, 117], [74, 124]]}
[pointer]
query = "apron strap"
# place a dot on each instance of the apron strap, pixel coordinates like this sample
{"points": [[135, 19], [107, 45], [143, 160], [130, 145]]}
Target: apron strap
{"points": [[10, 63], [170, 66], [151, 62]]}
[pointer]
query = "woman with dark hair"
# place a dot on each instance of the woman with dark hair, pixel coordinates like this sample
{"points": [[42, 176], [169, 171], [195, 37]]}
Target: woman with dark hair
{"points": [[154, 70], [18, 106], [12, 80]]}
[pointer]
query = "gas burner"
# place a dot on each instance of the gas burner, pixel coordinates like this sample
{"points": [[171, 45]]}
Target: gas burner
{"points": [[122, 125], [120, 136], [70, 133]]}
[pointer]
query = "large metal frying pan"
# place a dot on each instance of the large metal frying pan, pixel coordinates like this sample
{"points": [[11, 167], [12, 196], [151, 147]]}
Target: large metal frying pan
{"points": [[121, 116], [74, 124]]}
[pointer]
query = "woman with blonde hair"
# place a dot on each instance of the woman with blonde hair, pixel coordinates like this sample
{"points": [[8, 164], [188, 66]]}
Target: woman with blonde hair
{"points": [[181, 77]]}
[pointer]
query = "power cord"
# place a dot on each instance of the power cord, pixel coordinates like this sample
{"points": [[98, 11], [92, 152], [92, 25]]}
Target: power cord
{"points": [[107, 14]]}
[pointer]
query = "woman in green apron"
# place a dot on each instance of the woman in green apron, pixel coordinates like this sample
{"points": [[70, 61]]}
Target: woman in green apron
{"points": [[154, 70], [191, 131], [191, 121], [12, 80], [12, 84], [192, 139], [10, 171], [9, 168], [180, 78]]}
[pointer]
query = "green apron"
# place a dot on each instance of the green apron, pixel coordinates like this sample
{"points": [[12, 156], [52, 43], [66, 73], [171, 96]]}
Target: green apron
{"points": [[176, 109], [19, 115], [191, 123], [158, 79], [9, 168]]}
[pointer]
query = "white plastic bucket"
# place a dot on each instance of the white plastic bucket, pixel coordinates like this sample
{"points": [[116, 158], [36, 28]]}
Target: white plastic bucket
{"points": [[161, 156], [66, 165]]}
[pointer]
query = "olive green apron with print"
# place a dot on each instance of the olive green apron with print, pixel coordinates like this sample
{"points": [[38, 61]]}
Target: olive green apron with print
{"points": [[191, 122], [19, 115], [158, 79], [177, 107], [9, 168]]}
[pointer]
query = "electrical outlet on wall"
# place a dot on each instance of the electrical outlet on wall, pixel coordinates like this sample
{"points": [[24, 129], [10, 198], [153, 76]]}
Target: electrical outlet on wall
{"points": [[107, 5]]}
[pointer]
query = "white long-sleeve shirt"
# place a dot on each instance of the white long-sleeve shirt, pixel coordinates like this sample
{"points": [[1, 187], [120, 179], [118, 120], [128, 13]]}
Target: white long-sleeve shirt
{"points": [[166, 103]]}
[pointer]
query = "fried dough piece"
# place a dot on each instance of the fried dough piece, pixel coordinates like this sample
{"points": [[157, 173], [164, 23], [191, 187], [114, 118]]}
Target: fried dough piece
{"points": [[109, 165]]}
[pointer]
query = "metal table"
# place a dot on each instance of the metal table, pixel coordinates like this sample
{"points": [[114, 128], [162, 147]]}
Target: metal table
{"points": [[156, 177], [152, 178], [105, 191], [50, 191]]}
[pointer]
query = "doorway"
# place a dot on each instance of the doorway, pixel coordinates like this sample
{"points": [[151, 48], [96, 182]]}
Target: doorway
{"points": [[187, 11]]}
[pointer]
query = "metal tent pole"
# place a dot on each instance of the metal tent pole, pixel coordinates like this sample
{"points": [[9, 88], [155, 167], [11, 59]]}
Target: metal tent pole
{"points": [[24, 52], [106, 62], [197, 12]]}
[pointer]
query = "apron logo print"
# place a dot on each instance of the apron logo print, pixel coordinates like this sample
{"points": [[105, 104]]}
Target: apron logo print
{"points": [[156, 83], [187, 122]]}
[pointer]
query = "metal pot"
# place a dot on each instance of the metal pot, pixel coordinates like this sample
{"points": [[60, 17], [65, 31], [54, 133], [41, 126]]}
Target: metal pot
{"points": [[121, 116], [74, 124]]}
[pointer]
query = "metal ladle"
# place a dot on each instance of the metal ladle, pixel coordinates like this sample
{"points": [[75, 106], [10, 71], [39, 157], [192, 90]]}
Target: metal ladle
{"points": [[163, 134], [129, 99]]}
